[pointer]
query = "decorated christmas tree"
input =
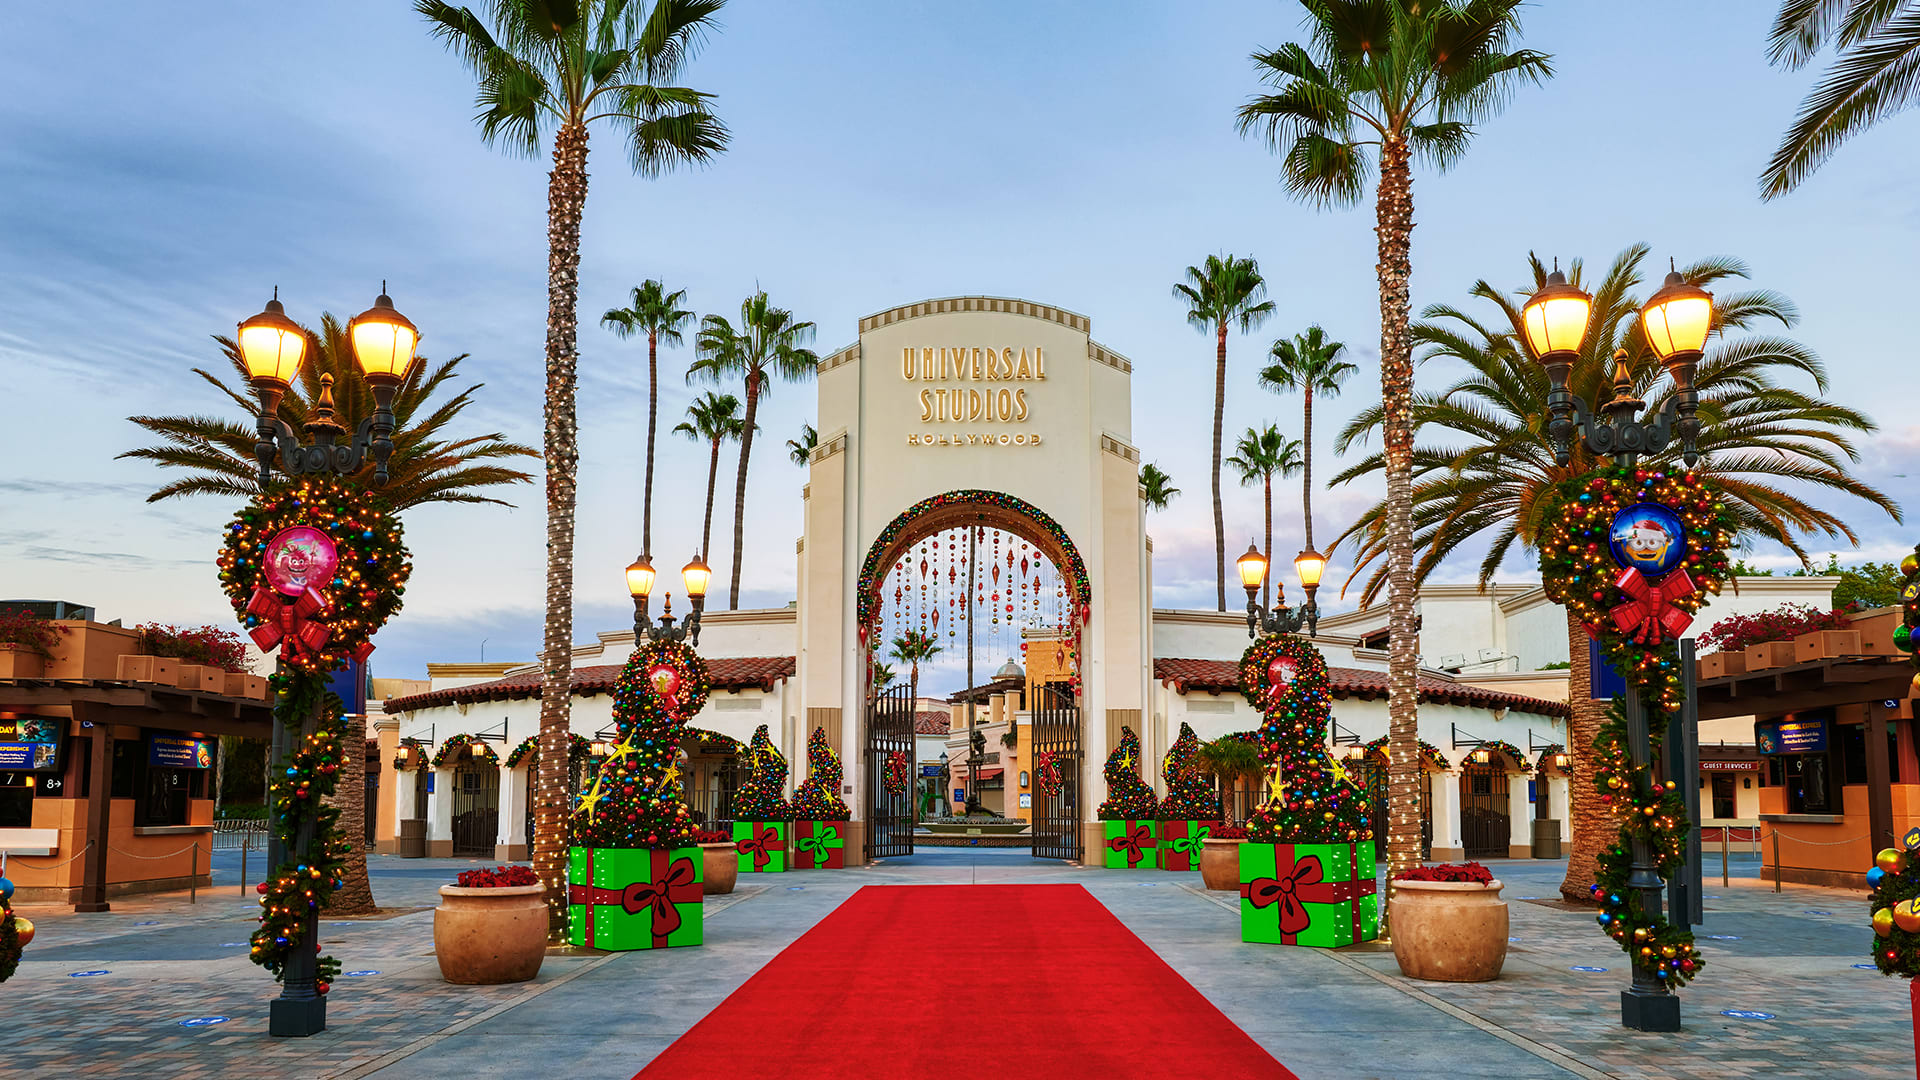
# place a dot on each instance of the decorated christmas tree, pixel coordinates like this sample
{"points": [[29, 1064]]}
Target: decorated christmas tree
{"points": [[818, 796], [1128, 797], [762, 795], [1190, 793], [634, 800], [1309, 797]]}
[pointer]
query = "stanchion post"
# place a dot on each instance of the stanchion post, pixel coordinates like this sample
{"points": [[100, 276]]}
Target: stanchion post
{"points": [[193, 873], [1776, 860], [246, 845], [1723, 856]]}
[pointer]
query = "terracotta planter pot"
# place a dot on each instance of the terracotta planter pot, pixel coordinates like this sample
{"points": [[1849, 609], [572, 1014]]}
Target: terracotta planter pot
{"points": [[21, 664], [722, 868], [1448, 931], [1220, 864], [486, 936]]}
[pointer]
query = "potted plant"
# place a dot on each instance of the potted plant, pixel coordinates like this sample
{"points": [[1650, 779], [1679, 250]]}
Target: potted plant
{"points": [[1220, 858], [491, 927], [26, 644], [722, 862], [1449, 923]]}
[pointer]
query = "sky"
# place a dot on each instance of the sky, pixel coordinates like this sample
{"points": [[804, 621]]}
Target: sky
{"points": [[1076, 154]]}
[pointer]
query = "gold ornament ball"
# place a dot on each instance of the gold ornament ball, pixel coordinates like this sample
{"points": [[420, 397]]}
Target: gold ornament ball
{"points": [[1909, 564], [1883, 922], [1891, 860], [25, 928], [1906, 915]]}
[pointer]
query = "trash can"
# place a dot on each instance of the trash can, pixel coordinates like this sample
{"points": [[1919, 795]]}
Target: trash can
{"points": [[1546, 838], [413, 838]]}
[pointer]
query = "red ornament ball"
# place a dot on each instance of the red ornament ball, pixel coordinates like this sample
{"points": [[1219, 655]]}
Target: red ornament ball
{"points": [[664, 680]]}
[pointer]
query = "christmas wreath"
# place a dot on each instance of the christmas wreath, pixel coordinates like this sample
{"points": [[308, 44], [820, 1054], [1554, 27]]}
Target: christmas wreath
{"points": [[456, 743], [898, 769], [1430, 754], [314, 567], [1046, 771], [1502, 746], [1309, 798]]}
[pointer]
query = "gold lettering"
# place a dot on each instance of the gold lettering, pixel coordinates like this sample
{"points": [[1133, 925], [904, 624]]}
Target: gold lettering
{"points": [[1006, 405], [906, 365], [1039, 364], [1005, 439], [976, 365], [1033, 440], [1020, 406], [940, 404], [926, 405], [1025, 370], [913, 440], [993, 362]]}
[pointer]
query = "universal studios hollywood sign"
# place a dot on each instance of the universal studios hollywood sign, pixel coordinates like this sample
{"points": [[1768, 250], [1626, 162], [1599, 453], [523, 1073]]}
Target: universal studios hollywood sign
{"points": [[974, 385]]}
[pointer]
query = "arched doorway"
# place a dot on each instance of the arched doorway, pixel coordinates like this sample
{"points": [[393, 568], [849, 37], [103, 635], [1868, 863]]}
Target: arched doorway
{"points": [[978, 575], [476, 803]]}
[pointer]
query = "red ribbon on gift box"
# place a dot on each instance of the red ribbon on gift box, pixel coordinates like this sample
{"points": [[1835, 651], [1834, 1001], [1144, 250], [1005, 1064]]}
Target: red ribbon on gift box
{"points": [[760, 845], [1650, 616], [673, 883], [1130, 842], [1297, 882]]}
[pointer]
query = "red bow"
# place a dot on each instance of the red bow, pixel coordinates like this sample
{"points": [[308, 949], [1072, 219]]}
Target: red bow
{"points": [[674, 884], [287, 620], [763, 841], [1130, 842], [1298, 882], [1650, 617]]}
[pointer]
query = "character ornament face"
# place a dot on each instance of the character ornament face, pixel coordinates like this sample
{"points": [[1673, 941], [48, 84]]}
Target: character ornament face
{"points": [[300, 559], [1649, 538]]}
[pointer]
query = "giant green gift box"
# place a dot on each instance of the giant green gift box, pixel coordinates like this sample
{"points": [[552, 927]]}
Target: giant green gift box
{"points": [[1130, 845], [635, 898], [1322, 895], [1181, 841], [762, 846]]}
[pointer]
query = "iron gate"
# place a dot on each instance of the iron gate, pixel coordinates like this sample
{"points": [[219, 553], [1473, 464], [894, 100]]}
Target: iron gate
{"points": [[890, 732], [1371, 772], [1485, 831], [1056, 743], [476, 809]]}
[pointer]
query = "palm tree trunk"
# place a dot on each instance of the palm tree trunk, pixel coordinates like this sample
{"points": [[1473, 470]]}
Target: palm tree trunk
{"points": [[566, 198], [355, 894], [653, 415], [1394, 232], [1591, 824], [1266, 586], [740, 487], [1219, 420], [706, 529], [1306, 468]]}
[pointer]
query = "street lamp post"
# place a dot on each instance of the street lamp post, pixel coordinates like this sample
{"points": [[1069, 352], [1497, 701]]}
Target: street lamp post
{"points": [[1675, 320], [272, 348], [695, 575], [1309, 565]]}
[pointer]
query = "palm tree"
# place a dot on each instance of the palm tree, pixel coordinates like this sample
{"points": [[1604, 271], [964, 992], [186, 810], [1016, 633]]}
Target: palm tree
{"points": [[1156, 487], [1261, 454], [567, 65], [1230, 759], [883, 676], [1878, 46], [714, 418], [428, 466], [1224, 291], [1395, 81], [911, 648], [1310, 364], [655, 312], [800, 450], [765, 345], [1494, 473]]}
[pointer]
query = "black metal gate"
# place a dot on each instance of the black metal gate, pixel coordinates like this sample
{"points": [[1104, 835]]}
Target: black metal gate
{"points": [[1485, 832], [476, 809], [1056, 750], [1371, 773], [890, 733]]}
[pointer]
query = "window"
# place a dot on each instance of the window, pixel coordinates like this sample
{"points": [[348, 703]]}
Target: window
{"points": [[1853, 753], [16, 800], [1808, 780], [1724, 800], [128, 757]]}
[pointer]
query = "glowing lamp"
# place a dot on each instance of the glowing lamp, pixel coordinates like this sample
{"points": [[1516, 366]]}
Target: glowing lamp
{"points": [[272, 346], [1310, 564], [1560, 761], [1555, 320], [696, 574], [639, 578], [1676, 320], [1252, 567], [1481, 756], [383, 341]]}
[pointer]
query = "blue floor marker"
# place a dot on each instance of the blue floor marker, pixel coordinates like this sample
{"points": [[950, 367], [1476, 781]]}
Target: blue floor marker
{"points": [[234, 944], [86, 974], [1584, 967], [1868, 967], [203, 1021], [1810, 911], [359, 974], [1513, 939], [149, 922], [1723, 937], [1746, 1014]]}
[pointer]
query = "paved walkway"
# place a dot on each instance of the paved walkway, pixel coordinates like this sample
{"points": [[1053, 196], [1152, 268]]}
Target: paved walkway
{"points": [[1346, 1014]]}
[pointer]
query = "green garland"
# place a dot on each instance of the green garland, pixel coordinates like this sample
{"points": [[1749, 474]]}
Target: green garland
{"points": [[301, 780], [1128, 797], [577, 748], [1429, 752], [456, 743], [1579, 572], [1519, 759], [1309, 799]]}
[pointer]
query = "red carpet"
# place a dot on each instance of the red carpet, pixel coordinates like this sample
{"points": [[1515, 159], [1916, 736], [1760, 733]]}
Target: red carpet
{"points": [[911, 981]]}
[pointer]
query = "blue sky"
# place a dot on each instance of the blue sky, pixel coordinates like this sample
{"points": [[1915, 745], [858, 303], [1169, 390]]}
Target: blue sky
{"points": [[1076, 154]]}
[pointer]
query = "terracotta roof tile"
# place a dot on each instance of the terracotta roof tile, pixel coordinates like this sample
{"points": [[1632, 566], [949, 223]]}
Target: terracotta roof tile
{"points": [[1224, 676], [932, 723], [729, 673]]}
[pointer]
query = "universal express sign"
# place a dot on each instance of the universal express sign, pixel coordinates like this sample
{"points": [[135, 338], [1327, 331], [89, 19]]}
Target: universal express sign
{"points": [[973, 386]]}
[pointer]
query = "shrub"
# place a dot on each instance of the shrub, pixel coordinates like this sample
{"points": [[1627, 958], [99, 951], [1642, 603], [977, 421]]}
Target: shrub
{"points": [[500, 877], [1472, 871], [208, 646], [1784, 623], [1228, 832], [711, 836], [28, 632]]}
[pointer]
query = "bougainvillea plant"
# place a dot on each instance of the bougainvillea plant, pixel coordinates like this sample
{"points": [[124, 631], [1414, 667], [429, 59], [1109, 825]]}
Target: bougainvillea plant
{"points": [[28, 632], [1128, 797], [762, 795], [1190, 793], [1472, 872], [818, 796], [208, 646], [1784, 623], [635, 799], [1309, 798], [500, 877]]}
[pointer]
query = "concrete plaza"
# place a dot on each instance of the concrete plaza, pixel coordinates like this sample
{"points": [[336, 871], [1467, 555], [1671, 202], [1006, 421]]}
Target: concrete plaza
{"points": [[109, 995]]}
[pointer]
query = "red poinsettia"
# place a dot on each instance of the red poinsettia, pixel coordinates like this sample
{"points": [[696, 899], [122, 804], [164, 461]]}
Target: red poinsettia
{"points": [[709, 836], [500, 877], [1472, 871], [1228, 832]]}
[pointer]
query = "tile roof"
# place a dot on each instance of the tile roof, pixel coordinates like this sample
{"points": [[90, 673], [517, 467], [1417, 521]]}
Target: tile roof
{"points": [[932, 723], [728, 673], [1187, 675]]}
